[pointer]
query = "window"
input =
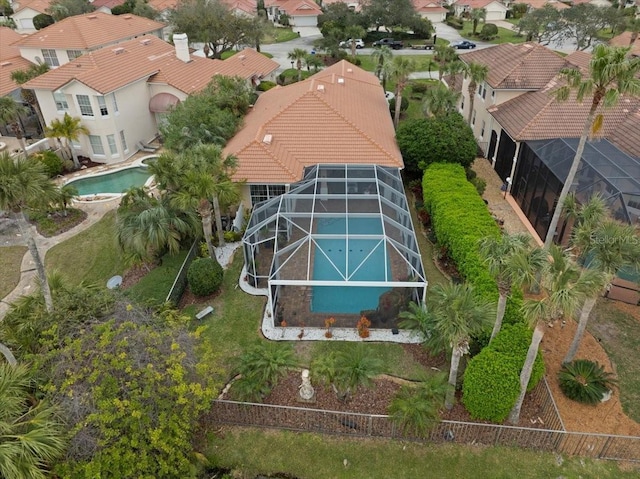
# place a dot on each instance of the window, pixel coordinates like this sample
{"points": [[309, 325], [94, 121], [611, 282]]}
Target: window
{"points": [[102, 104], [482, 129], [73, 54], [96, 145], [484, 91], [480, 89], [461, 103], [473, 118], [50, 57], [123, 140], [61, 101], [85, 105], [113, 149], [493, 94], [114, 102], [264, 192]]}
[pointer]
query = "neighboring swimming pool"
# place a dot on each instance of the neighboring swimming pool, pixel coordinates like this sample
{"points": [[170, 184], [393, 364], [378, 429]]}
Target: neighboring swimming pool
{"points": [[356, 259], [116, 182]]}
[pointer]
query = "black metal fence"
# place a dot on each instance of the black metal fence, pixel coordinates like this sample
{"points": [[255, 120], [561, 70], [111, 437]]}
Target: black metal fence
{"points": [[180, 283]]}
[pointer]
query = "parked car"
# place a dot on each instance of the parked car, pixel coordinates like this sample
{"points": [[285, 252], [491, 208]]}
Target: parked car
{"points": [[390, 42], [463, 45], [347, 43], [389, 95]]}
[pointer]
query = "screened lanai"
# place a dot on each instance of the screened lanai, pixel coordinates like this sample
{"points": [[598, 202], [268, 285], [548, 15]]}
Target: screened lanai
{"points": [[543, 168], [340, 243]]}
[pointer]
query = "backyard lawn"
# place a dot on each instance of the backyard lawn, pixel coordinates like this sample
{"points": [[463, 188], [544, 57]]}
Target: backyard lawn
{"points": [[504, 34], [155, 286], [10, 262], [249, 451]]}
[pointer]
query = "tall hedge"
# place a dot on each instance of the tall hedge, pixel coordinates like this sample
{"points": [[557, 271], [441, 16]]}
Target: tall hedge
{"points": [[460, 218], [492, 379]]}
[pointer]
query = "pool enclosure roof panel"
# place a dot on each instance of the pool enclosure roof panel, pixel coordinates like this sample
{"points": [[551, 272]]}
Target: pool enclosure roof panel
{"points": [[351, 219]]}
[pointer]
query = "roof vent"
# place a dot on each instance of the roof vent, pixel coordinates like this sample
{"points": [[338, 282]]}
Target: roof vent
{"points": [[92, 17], [242, 57], [320, 88], [118, 50], [268, 138], [349, 70], [127, 17], [341, 81], [146, 41], [5, 64]]}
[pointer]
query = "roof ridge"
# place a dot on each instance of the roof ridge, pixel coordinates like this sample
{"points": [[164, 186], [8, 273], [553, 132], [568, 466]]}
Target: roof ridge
{"points": [[519, 63]]}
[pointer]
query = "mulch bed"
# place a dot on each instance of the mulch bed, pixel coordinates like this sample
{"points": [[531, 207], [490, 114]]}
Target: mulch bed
{"points": [[61, 223]]}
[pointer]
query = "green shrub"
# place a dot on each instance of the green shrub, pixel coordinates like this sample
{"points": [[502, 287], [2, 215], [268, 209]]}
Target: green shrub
{"points": [[585, 381], [513, 340], [480, 185], [204, 276], [489, 31], [53, 164], [404, 104], [460, 218], [232, 236], [419, 88], [266, 85], [491, 386]]}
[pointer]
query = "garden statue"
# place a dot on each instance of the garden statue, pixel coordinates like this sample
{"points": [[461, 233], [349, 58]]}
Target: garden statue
{"points": [[307, 393]]}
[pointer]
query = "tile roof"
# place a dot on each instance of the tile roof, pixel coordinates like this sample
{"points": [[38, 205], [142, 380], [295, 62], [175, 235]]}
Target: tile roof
{"points": [[296, 7], [88, 31], [37, 5], [478, 3], [10, 60], [525, 66], [339, 115], [624, 40], [107, 3], [541, 3], [149, 58], [537, 116], [247, 6], [161, 5], [428, 6]]}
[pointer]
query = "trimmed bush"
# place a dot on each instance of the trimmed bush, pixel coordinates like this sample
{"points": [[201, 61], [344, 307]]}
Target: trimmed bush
{"points": [[489, 31], [204, 276], [53, 164], [403, 105], [266, 85], [585, 381], [513, 340], [460, 218], [491, 386]]}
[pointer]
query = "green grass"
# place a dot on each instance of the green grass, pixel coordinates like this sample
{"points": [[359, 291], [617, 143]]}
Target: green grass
{"points": [[414, 111], [505, 35], [368, 64], [248, 452], [155, 286], [92, 255], [618, 333], [230, 53], [278, 35], [48, 227], [10, 261]]}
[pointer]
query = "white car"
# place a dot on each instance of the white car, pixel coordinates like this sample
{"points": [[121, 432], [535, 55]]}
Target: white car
{"points": [[347, 44], [389, 95]]}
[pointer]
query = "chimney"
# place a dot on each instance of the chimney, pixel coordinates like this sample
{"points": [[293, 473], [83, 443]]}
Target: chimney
{"points": [[181, 43]]}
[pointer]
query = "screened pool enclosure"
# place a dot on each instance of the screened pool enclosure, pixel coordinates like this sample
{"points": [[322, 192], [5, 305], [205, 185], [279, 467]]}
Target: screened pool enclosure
{"points": [[340, 243]]}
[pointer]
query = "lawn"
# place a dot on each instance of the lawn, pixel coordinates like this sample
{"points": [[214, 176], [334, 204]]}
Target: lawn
{"points": [[10, 262], [155, 286], [505, 35], [92, 256], [415, 110], [248, 452], [278, 35], [421, 61], [618, 333]]}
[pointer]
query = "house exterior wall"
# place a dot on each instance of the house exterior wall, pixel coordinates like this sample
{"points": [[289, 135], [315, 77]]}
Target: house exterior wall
{"points": [[437, 17], [24, 20], [495, 11], [304, 21]]}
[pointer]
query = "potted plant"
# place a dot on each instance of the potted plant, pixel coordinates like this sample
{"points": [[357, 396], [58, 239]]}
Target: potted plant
{"points": [[328, 323]]}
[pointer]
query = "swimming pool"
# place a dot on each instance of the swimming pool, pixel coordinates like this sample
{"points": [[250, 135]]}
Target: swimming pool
{"points": [[116, 182], [354, 259]]}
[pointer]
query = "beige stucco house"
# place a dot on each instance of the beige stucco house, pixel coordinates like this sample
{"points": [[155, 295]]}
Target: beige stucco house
{"points": [[301, 13], [431, 10], [10, 61], [25, 10], [495, 10], [121, 92]]}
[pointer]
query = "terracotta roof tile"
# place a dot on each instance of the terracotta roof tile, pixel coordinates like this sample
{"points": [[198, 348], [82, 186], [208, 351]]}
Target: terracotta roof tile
{"points": [[296, 7], [339, 115], [89, 31], [10, 60], [107, 3], [161, 5], [40, 6], [624, 40], [525, 66], [541, 3], [249, 7], [113, 67], [477, 3]]}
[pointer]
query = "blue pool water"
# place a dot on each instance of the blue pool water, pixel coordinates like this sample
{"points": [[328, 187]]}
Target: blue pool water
{"points": [[331, 262], [116, 182]]}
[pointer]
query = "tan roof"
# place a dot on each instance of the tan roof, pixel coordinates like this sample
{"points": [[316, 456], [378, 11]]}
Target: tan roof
{"points": [[89, 31], [624, 40], [107, 3], [428, 6], [339, 115], [247, 6], [537, 116], [149, 57], [10, 60], [161, 5], [579, 59], [296, 7], [478, 3], [525, 66], [247, 63], [541, 3], [37, 5]]}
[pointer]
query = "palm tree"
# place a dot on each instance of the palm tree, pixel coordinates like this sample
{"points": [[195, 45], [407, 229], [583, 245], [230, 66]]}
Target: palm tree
{"points": [[607, 245], [512, 262], [476, 73], [8, 355], [355, 367], [66, 194], [354, 32], [313, 61], [612, 73], [70, 129], [439, 100], [23, 76], [30, 435], [298, 55], [477, 15], [443, 55], [10, 112], [147, 226], [455, 315], [24, 183], [382, 57], [565, 286], [402, 68]]}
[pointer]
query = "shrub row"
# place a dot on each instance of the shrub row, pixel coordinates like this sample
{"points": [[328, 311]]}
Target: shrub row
{"points": [[460, 219], [491, 381]]}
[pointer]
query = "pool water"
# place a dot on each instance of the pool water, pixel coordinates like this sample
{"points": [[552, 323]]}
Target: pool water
{"points": [[116, 182], [365, 261]]}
